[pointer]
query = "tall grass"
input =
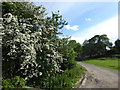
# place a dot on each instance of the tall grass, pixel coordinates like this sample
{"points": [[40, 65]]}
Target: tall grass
{"points": [[67, 79]]}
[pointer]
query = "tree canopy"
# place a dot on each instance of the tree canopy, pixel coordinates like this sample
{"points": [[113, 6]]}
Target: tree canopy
{"points": [[117, 45], [96, 46], [76, 47]]}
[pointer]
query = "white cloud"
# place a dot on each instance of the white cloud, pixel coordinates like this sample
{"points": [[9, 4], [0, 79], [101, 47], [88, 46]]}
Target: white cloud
{"points": [[72, 27], [109, 27], [88, 19]]}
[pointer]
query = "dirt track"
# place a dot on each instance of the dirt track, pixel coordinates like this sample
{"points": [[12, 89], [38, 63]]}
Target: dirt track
{"points": [[99, 77]]}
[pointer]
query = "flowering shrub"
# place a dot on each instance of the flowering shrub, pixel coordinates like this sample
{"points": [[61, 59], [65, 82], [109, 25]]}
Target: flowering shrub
{"points": [[30, 45]]}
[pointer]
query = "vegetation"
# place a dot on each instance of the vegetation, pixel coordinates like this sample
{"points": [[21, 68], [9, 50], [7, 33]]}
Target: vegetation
{"points": [[116, 48], [96, 46], [76, 47], [32, 51], [111, 63], [34, 55], [14, 82], [99, 51], [117, 45], [65, 80]]}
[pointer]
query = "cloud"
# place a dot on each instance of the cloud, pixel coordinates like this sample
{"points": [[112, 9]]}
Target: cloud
{"points": [[108, 27], [72, 27], [88, 19]]}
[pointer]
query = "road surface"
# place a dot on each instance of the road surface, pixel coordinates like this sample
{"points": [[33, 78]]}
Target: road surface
{"points": [[99, 77]]}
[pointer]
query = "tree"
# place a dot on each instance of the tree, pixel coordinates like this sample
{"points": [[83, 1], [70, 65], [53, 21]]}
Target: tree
{"points": [[117, 45], [116, 48], [96, 46], [76, 46], [68, 54]]}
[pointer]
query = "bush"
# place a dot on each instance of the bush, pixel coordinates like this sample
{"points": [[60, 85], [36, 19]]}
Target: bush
{"points": [[30, 42], [15, 82], [31, 47], [66, 79]]}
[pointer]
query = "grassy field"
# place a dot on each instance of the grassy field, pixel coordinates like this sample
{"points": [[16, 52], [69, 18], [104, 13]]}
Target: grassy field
{"points": [[111, 63]]}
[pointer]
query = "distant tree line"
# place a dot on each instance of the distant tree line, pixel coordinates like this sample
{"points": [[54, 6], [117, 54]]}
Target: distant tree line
{"points": [[97, 46]]}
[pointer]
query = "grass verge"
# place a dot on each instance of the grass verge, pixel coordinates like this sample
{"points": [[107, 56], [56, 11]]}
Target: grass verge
{"points": [[111, 63], [68, 78]]}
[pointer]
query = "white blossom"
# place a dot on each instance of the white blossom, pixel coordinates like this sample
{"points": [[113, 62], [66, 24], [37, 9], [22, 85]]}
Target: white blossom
{"points": [[8, 17]]}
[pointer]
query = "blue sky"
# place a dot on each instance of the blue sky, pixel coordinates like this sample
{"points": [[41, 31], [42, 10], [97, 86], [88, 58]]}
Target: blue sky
{"points": [[86, 19]]}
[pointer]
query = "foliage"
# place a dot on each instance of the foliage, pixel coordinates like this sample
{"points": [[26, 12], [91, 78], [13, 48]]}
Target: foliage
{"points": [[115, 49], [76, 47], [15, 82], [31, 48], [117, 46], [96, 46], [66, 79], [68, 54]]}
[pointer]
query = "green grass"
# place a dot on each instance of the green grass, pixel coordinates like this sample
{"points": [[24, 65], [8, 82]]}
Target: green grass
{"points": [[67, 79], [111, 63], [75, 74]]}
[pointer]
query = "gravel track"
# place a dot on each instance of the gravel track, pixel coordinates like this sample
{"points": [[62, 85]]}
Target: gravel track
{"points": [[99, 77]]}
